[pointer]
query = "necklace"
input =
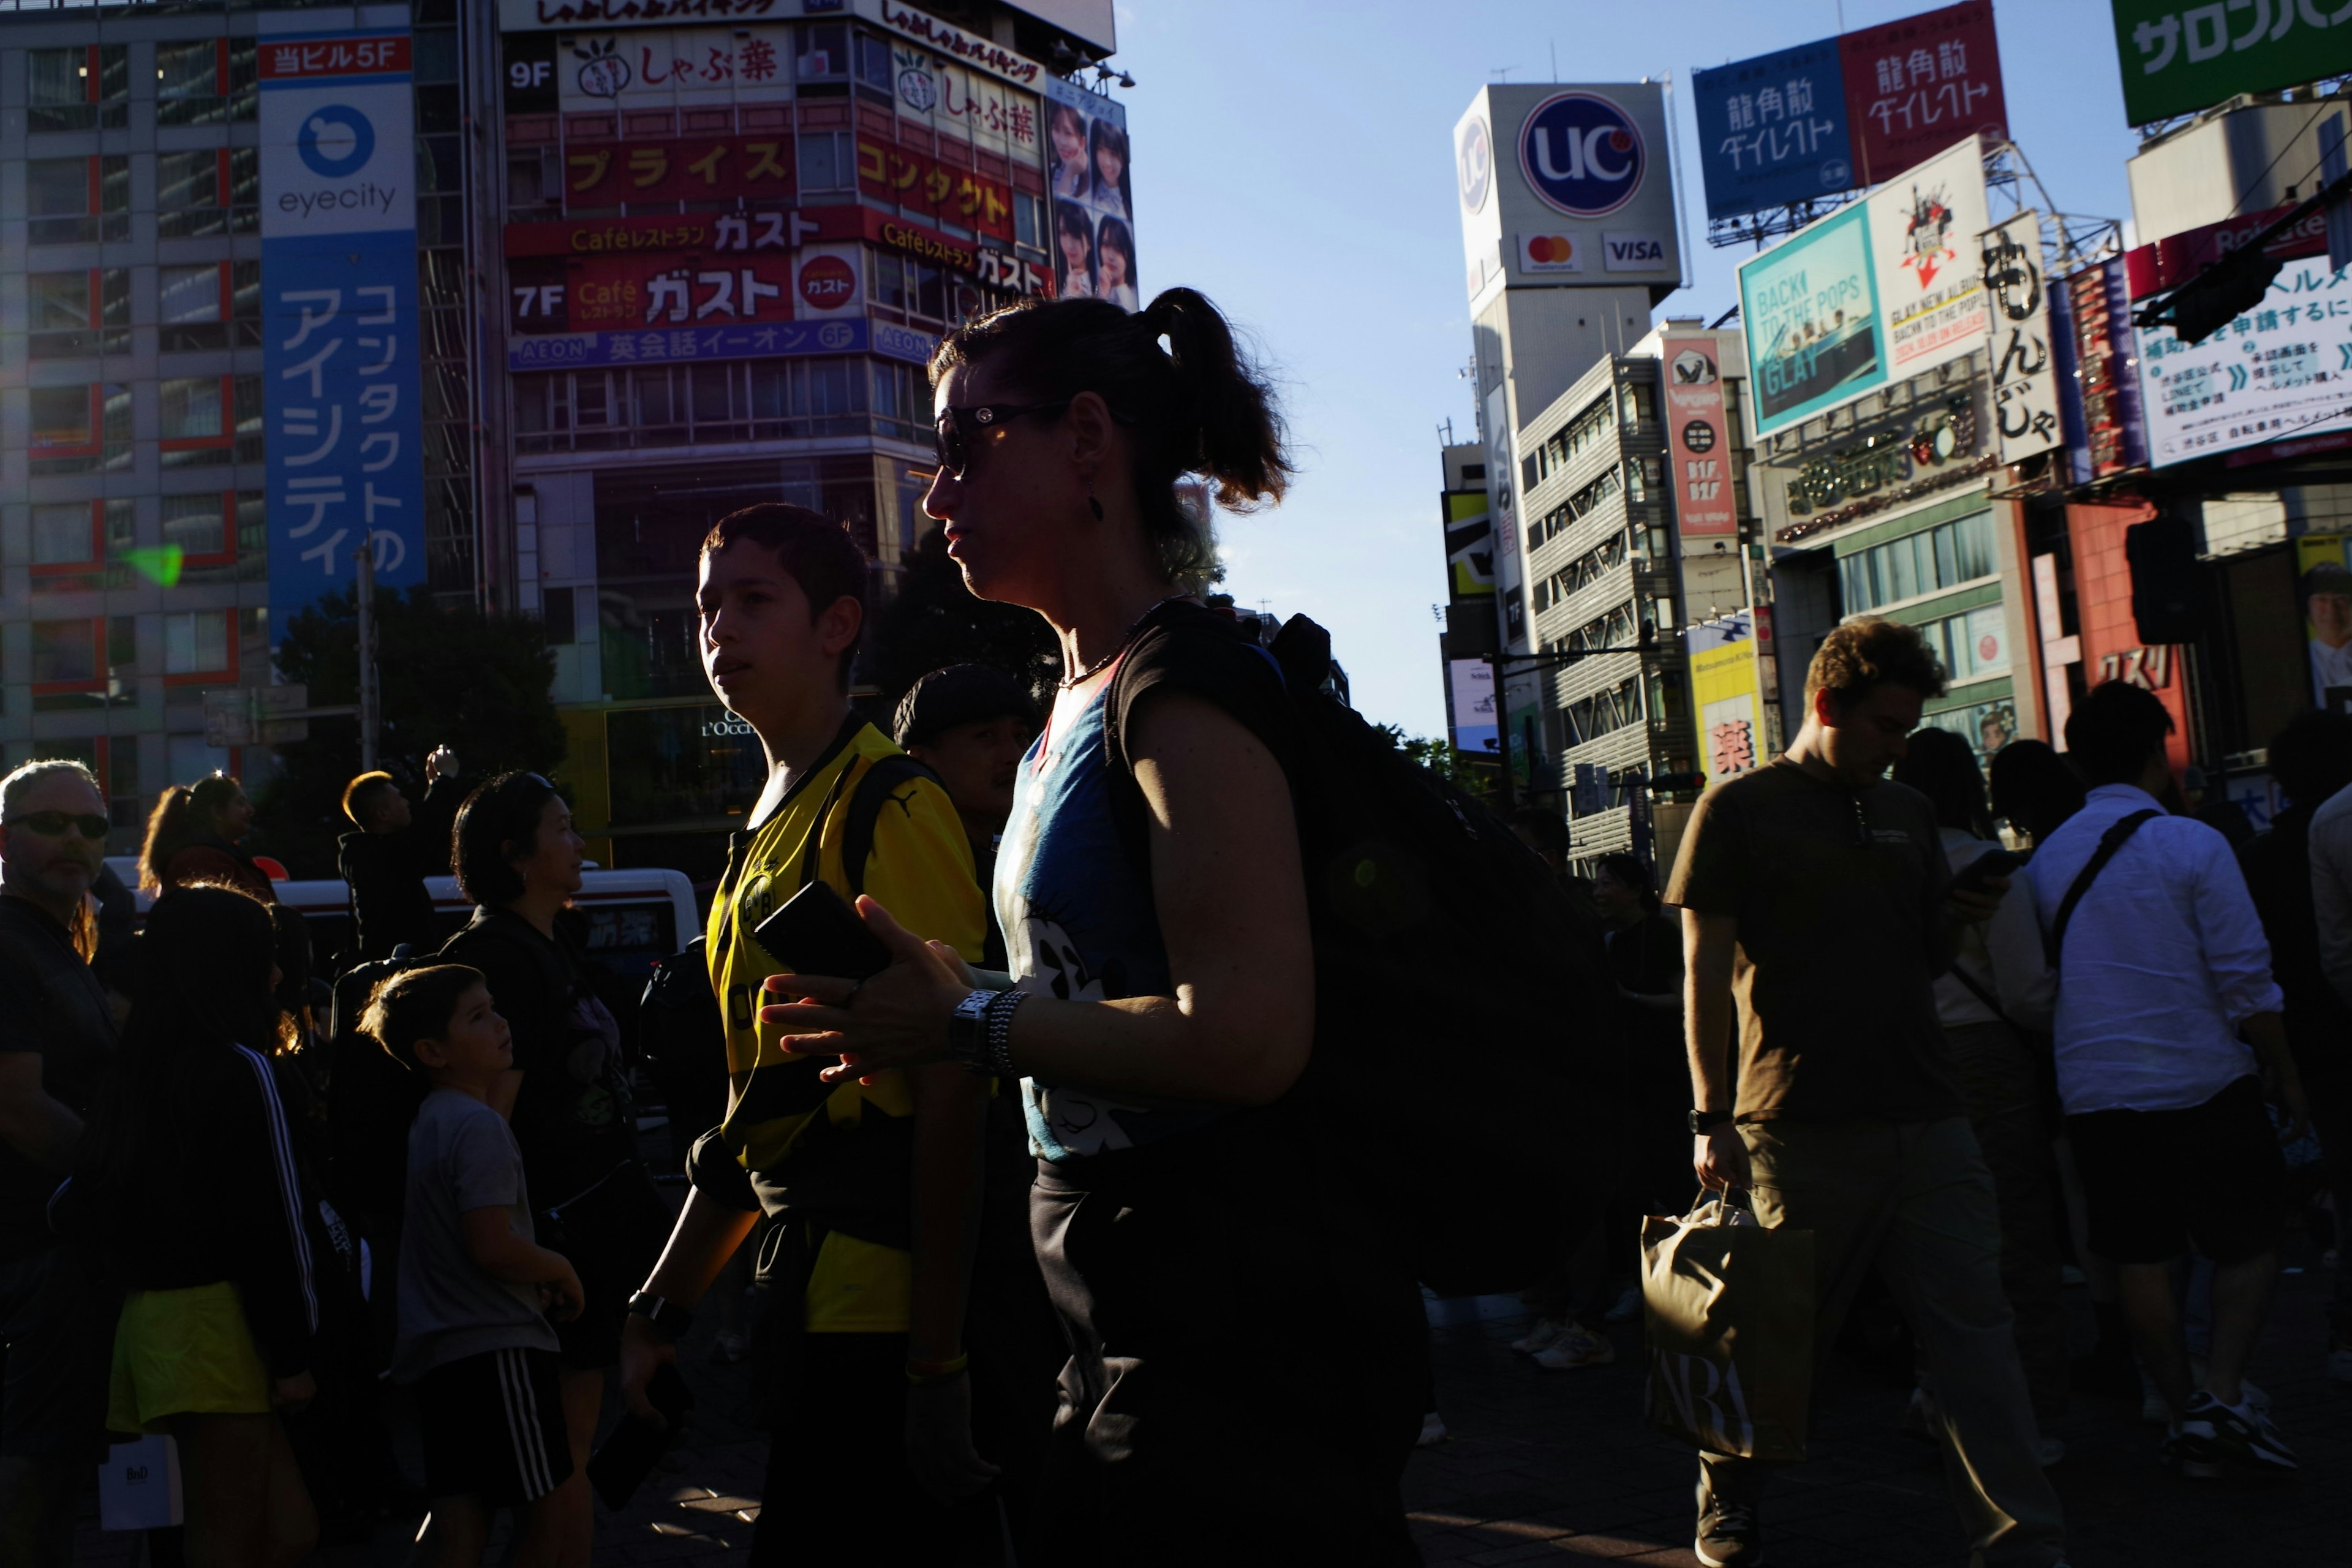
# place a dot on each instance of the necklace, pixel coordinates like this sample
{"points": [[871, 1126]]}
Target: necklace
{"points": [[1099, 666]]}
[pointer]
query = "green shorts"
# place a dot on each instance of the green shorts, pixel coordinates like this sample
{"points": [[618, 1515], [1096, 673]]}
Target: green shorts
{"points": [[183, 1352]]}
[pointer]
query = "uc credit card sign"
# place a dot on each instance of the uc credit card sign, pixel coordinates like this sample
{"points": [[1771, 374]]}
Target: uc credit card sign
{"points": [[344, 432]]}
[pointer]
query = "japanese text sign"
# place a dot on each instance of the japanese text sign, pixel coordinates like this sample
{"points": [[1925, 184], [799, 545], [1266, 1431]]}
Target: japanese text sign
{"points": [[2099, 394], [914, 178], [768, 340], [1839, 114], [757, 167], [1914, 87], [345, 434], [2178, 56], [2024, 375], [1696, 442], [655, 70], [2283, 369], [595, 293], [968, 105], [1726, 687], [1772, 129]]}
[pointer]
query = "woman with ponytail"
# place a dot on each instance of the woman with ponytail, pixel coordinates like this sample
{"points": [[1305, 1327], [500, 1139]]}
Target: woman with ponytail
{"points": [[1162, 1008], [191, 836]]}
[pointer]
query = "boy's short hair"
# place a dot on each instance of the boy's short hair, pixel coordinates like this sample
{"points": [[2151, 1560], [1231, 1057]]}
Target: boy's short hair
{"points": [[2111, 733], [360, 795], [416, 1004], [956, 695], [1871, 651], [813, 550]]}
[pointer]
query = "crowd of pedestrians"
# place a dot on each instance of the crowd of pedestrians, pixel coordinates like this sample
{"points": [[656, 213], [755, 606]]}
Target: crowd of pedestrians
{"points": [[1021, 1133]]}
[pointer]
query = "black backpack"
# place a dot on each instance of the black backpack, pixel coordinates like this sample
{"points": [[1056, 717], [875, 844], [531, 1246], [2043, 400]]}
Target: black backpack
{"points": [[371, 1101], [1475, 1118]]}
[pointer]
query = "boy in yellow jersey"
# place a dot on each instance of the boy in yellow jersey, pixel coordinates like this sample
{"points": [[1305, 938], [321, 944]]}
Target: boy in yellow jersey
{"points": [[873, 1189]]}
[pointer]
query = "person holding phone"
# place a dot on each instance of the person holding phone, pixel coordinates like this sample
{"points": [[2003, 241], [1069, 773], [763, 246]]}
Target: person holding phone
{"points": [[1156, 914], [1994, 1004], [872, 1188]]}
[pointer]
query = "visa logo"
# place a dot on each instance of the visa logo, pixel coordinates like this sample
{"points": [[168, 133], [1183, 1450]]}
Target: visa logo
{"points": [[1634, 252]]}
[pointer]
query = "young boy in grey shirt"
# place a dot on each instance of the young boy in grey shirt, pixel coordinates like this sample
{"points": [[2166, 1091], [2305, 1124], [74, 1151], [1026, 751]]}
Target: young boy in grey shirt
{"points": [[475, 1288]]}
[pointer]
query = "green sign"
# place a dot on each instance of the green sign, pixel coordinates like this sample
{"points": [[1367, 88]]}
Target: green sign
{"points": [[2178, 57]]}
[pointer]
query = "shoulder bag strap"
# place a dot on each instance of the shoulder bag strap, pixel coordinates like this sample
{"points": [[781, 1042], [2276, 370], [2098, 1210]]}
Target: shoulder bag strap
{"points": [[814, 850], [2113, 841], [881, 785]]}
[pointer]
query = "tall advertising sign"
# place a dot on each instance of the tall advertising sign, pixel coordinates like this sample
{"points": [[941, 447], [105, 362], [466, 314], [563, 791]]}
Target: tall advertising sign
{"points": [[1092, 195], [1697, 439], [1810, 122], [2105, 434], [2025, 373], [1772, 129], [1568, 184], [2178, 56], [345, 435], [1470, 707], [1469, 546], [1877, 290], [1726, 689]]}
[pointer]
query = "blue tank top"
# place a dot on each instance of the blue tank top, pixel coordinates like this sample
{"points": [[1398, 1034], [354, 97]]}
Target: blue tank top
{"points": [[1080, 925]]}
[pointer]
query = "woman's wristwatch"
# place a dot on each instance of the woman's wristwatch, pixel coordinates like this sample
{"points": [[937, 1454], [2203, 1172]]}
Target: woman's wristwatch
{"points": [[669, 1320], [1708, 1121], [980, 1032]]}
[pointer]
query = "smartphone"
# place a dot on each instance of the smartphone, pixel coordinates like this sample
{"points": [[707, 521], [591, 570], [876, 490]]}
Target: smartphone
{"points": [[618, 1469], [816, 932], [1984, 868]]}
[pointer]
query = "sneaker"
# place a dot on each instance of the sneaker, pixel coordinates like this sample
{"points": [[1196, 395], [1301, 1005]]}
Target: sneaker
{"points": [[1433, 1431], [2339, 1363], [1628, 1308], [1579, 1346], [1730, 1535], [2192, 1454], [1543, 1336], [2241, 1435]]}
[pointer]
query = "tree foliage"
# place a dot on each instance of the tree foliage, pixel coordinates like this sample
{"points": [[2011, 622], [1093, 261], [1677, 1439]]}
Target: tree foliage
{"points": [[479, 683], [935, 621], [1438, 756]]}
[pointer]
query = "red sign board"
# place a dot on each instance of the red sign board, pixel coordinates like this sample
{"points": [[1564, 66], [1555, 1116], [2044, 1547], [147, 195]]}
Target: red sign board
{"points": [[616, 292], [827, 283], [300, 59], [1696, 442], [696, 168], [1914, 87], [2151, 269]]}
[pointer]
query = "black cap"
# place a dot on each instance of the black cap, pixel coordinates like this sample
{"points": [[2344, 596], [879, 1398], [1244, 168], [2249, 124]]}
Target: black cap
{"points": [[959, 694], [2327, 577]]}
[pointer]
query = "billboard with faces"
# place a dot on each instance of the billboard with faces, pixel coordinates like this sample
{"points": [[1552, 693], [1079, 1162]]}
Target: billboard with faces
{"points": [[1092, 194]]}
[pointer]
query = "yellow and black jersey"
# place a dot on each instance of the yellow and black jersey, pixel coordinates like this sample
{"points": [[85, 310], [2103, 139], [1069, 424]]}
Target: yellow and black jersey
{"points": [[847, 1172]]}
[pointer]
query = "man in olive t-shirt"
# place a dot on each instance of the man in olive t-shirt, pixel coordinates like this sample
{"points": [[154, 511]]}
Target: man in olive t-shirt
{"points": [[1814, 898]]}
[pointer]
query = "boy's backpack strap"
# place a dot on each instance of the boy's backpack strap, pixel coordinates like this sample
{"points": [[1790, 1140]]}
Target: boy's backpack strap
{"points": [[889, 782]]}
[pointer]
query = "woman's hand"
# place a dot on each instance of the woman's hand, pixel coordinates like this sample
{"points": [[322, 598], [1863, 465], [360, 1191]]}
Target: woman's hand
{"points": [[898, 1018]]}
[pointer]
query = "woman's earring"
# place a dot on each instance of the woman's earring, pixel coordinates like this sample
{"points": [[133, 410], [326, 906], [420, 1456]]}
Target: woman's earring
{"points": [[1094, 506]]}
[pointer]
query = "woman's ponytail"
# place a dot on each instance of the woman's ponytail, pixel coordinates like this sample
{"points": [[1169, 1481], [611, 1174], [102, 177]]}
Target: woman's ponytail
{"points": [[1174, 375]]}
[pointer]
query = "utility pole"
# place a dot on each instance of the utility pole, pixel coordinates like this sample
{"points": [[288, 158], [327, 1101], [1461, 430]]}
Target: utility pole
{"points": [[371, 705]]}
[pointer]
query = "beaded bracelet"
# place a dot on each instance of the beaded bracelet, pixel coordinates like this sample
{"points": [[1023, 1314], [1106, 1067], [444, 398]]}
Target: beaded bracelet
{"points": [[998, 1026]]}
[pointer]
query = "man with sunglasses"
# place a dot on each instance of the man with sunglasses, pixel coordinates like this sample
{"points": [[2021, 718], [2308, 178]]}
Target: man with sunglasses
{"points": [[56, 1042]]}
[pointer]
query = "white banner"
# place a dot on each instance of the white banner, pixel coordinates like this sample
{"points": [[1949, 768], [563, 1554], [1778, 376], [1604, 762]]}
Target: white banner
{"points": [[2024, 375]]}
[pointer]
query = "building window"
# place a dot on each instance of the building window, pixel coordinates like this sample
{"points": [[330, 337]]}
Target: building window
{"points": [[212, 305], [206, 81], [828, 163], [824, 52], [76, 201], [214, 190], [87, 662], [85, 88], [669, 405], [1593, 717], [74, 314], [210, 419], [1579, 435], [196, 643], [79, 429], [1927, 561]]}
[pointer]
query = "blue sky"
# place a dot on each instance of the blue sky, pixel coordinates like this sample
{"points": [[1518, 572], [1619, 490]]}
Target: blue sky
{"points": [[1293, 161]]}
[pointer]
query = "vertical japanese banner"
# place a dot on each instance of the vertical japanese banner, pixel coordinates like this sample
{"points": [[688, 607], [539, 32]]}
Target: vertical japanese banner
{"points": [[1726, 690], [345, 439], [1696, 440], [2017, 310]]}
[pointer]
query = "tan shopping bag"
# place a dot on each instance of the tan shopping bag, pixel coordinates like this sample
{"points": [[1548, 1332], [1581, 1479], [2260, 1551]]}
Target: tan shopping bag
{"points": [[1729, 1309]]}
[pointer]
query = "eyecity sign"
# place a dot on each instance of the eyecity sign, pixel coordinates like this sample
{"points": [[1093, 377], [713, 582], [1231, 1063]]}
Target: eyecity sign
{"points": [[1581, 155]]}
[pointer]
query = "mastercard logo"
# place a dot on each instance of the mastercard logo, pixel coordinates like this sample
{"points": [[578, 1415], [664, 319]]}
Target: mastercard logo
{"points": [[1550, 247]]}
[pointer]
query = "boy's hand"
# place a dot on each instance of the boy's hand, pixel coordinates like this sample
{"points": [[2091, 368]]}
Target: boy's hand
{"points": [[563, 1295]]}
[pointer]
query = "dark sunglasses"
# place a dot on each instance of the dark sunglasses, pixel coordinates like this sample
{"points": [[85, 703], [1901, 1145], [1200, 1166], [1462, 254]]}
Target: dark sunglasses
{"points": [[955, 453], [53, 824]]}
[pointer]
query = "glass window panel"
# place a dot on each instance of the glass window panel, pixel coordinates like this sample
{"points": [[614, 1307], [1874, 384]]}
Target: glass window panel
{"points": [[57, 188], [64, 650], [590, 398], [186, 180], [59, 299], [824, 52], [192, 408], [712, 386], [195, 524], [930, 291], [61, 533], [653, 397], [1903, 581], [61, 415], [58, 77], [187, 70], [195, 642], [822, 167], [770, 390], [189, 293]]}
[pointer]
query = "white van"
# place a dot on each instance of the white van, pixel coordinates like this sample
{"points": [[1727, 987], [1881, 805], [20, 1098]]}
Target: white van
{"points": [[633, 917]]}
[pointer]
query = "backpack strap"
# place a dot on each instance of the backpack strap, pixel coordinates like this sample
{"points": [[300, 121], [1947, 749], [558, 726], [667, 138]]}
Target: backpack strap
{"points": [[881, 784], [2112, 840]]}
